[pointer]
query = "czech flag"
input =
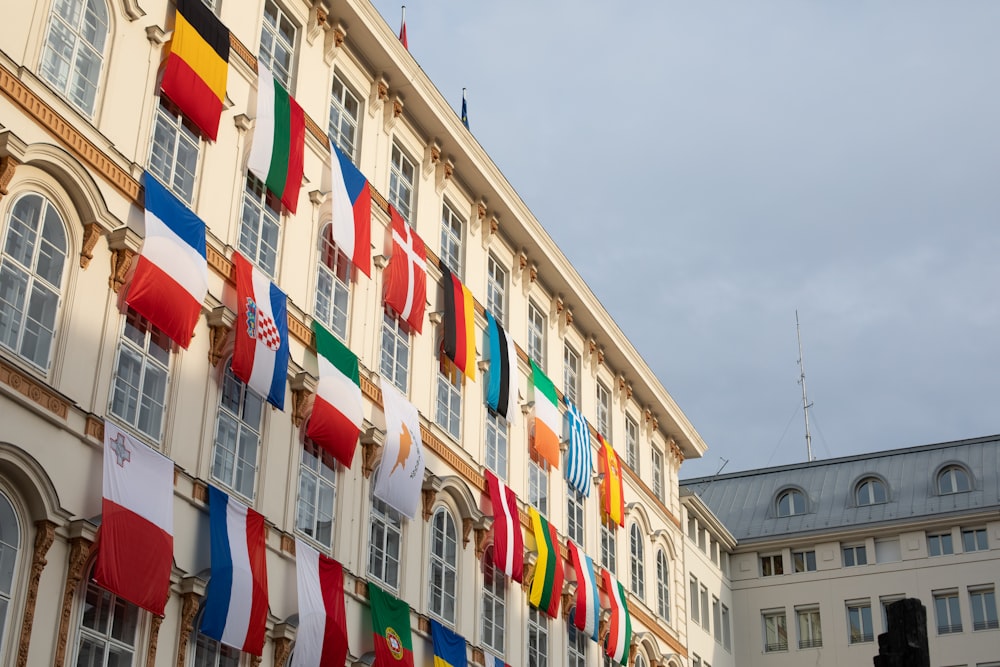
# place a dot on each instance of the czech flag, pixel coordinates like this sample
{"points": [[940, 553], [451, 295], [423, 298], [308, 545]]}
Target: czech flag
{"points": [[352, 210]]}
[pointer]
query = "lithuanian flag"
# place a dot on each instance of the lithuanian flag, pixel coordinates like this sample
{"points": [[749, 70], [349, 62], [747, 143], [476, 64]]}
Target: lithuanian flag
{"points": [[198, 64], [547, 583], [391, 629]]}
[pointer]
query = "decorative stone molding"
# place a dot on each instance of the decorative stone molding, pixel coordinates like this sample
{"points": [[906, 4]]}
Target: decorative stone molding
{"points": [[533, 272], [303, 386], [45, 532], [157, 36], [317, 21], [432, 157], [255, 660], [478, 657], [199, 491], [283, 635], [632, 651], [371, 446], [333, 41], [94, 428], [132, 12], [79, 555], [91, 233], [603, 626], [568, 598], [154, 634], [124, 244], [482, 539], [392, 112], [424, 624], [8, 164], [242, 122], [650, 418], [192, 591], [33, 389], [220, 322], [467, 524], [445, 170], [428, 495], [288, 544]]}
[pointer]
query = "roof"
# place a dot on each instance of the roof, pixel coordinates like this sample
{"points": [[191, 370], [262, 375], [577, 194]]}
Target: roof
{"points": [[745, 501]]}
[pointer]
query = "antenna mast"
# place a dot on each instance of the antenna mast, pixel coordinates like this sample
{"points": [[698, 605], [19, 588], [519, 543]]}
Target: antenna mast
{"points": [[802, 381]]}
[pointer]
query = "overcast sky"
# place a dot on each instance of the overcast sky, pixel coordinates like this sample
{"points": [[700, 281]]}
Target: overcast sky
{"points": [[841, 158]]}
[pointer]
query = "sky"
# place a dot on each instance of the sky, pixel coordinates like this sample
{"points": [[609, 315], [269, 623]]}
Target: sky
{"points": [[837, 158]]}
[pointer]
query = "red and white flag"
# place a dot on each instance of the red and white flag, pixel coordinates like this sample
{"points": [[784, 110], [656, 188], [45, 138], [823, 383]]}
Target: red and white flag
{"points": [[260, 351], [508, 542], [406, 276], [322, 635], [135, 543]]}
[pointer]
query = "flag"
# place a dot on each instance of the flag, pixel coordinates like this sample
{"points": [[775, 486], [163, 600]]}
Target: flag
{"points": [[547, 583], [449, 647], [196, 70], [619, 638], [322, 635], [406, 275], [612, 497], [279, 137], [401, 475], [352, 210], [459, 343], [465, 111], [391, 629], [171, 276], [338, 411], [260, 352], [508, 543], [135, 543], [588, 602], [493, 660], [402, 30], [579, 455], [236, 599], [501, 390], [545, 440]]}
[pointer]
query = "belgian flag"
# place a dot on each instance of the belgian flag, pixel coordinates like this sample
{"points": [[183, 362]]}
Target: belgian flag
{"points": [[198, 64]]}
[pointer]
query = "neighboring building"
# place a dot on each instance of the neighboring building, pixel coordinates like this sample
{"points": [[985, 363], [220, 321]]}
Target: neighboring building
{"points": [[81, 118], [823, 547]]}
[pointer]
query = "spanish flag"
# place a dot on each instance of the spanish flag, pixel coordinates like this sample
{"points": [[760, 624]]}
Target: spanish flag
{"points": [[612, 498], [459, 342], [198, 64]]}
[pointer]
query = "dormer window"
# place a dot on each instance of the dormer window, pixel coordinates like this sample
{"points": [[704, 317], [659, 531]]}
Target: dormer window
{"points": [[953, 479], [870, 491], [791, 502]]}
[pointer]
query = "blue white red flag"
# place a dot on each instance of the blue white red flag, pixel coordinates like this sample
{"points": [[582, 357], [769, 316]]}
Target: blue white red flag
{"points": [[260, 354], [352, 211], [493, 660], [588, 602], [579, 455], [236, 600]]}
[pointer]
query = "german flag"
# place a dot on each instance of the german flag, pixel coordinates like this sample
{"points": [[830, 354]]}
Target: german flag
{"points": [[459, 324], [196, 70]]}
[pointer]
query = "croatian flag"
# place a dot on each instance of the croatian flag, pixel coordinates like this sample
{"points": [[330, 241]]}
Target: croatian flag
{"points": [[352, 210], [260, 354], [171, 276], [236, 600], [135, 543]]}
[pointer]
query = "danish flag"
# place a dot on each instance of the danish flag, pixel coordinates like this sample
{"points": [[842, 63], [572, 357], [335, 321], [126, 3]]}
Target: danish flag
{"points": [[406, 276]]}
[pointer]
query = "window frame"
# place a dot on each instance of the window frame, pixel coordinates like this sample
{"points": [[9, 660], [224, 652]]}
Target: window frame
{"points": [[956, 475], [142, 356], [445, 534], [951, 612], [854, 550], [538, 486], [772, 565], [868, 490], [227, 473], [497, 432], [940, 544], [335, 126], [637, 561], [537, 326], [804, 561], [452, 248], [497, 279], [983, 607], [860, 628], [494, 598], [400, 185], [663, 585], [657, 474], [448, 399], [221, 655], [389, 521], [11, 539], [397, 333], [575, 517], [808, 625], [260, 218], [183, 133], [286, 74], [974, 539], [602, 401], [322, 468], [632, 443], [537, 652], [780, 627], [105, 639], [64, 88], [609, 549], [797, 503], [571, 374], [332, 307]]}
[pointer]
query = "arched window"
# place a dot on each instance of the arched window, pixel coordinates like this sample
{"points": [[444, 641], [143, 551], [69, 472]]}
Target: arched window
{"points": [[333, 285], [443, 566], [791, 502], [384, 541], [953, 479], [577, 644], [31, 277], [870, 491], [640, 660], [10, 542], [638, 573], [74, 50], [662, 585], [108, 629], [494, 603], [237, 435]]}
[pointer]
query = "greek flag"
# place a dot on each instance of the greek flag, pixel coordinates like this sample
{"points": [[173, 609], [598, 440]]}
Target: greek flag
{"points": [[579, 456]]}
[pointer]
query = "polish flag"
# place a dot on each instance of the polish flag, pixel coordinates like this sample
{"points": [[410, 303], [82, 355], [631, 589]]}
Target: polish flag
{"points": [[322, 635], [236, 600], [508, 542], [135, 543], [406, 275], [260, 352]]}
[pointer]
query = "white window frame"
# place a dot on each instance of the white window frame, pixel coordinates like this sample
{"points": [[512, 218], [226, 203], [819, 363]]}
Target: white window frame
{"points": [[275, 23], [235, 459], [727, 636], [952, 478], [452, 239], [804, 561], [576, 645], [695, 610], [603, 400], [537, 644], [175, 140], [809, 627], [775, 630], [859, 623], [983, 604], [871, 491], [402, 183], [344, 127], [663, 585], [790, 502], [609, 549], [494, 603], [772, 565], [947, 613], [150, 390], [974, 539], [657, 475], [496, 444], [716, 619], [260, 226], [637, 561], [67, 83], [448, 403], [333, 285], [574, 515], [208, 652], [385, 541], [317, 497], [537, 325], [571, 374], [10, 546], [538, 487], [851, 552], [496, 288], [940, 544], [632, 443], [443, 567], [395, 359], [703, 593], [104, 638]]}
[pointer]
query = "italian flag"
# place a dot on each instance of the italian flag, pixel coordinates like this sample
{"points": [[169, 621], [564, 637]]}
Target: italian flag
{"points": [[547, 584], [276, 155], [337, 412], [391, 629], [548, 421]]}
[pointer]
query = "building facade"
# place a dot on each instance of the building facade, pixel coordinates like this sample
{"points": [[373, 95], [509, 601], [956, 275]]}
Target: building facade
{"points": [[81, 120], [822, 549]]}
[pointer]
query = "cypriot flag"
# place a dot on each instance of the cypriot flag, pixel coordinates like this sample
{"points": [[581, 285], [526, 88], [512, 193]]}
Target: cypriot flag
{"points": [[401, 474]]}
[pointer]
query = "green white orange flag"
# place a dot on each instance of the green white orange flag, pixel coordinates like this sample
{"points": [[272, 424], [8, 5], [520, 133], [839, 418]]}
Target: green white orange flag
{"points": [[547, 582], [338, 410], [391, 629], [276, 156], [548, 421]]}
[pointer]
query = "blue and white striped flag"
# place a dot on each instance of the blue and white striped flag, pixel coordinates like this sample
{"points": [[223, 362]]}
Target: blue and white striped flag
{"points": [[579, 455]]}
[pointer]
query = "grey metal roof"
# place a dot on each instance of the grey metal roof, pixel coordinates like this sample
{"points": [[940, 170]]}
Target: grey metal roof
{"points": [[745, 501]]}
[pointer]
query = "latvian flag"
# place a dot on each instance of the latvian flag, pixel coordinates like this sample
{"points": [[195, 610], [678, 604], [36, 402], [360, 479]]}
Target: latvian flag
{"points": [[260, 353], [548, 422], [337, 411], [171, 276], [352, 210], [547, 584], [588, 603], [322, 635], [198, 65], [459, 342], [508, 542], [276, 156], [501, 390], [619, 638], [236, 600], [135, 543]]}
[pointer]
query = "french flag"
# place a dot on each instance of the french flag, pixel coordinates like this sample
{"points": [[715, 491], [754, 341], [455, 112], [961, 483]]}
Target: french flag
{"points": [[135, 543], [493, 660], [352, 210], [171, 276], [236, 600], [260, 352]]}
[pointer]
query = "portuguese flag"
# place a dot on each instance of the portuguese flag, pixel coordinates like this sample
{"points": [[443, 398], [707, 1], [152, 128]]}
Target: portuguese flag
{"points": [[391, 629], [276, 156], [547, 584]]}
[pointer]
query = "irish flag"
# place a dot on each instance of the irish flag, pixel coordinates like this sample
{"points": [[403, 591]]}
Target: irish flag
{"points": [[548, 422], [352, 210], [135, 544], [260, 352], [276, 155], [337, 412], [547, 584], [619, 638], [391, 629], [322, 635]]}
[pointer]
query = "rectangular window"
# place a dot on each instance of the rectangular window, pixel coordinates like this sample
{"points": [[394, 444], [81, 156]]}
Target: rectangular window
{"points": [[448, 412], [538, 487], [717, 619], [714, 550], [577, 646], [496, 289], [574, 515], [692, 528], [949, 618], [859, 622], [536, 334], [696, 660], [658, 474], [395, 364], [571, 374], [771, 565], [775, 631], [701, 539], [211, 653], [609, 549], [727, 639], [452, 227], [974, 539], [940, 545], [345, 112], [401, 183], [703, 592], [884, 602], [333, 285], [494, 603], [810, 633], [260, 220], [805, 561], [887, 550], [694, 611], [108, 628], [855, 555], [139, 392], [277, 44], [984, 608], [237, 436], [496, 444], [317, 493], [632, 443], [538, 639], [173, 156], [603, 410]]}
